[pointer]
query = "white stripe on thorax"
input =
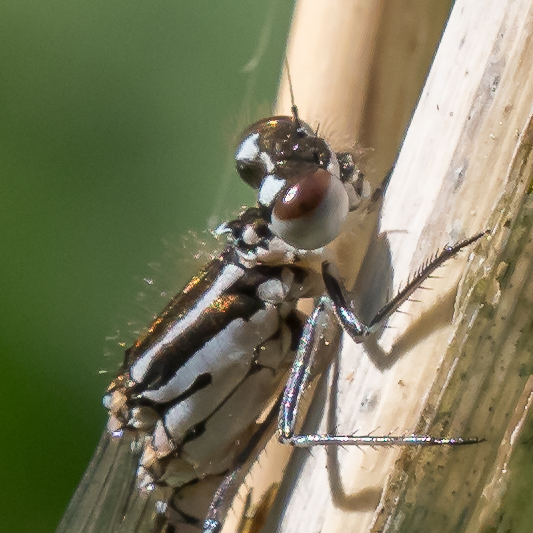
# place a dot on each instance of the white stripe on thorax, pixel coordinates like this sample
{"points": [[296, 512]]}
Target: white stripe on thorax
{"points": [[229, 275], [230, 363], [230, 351]]}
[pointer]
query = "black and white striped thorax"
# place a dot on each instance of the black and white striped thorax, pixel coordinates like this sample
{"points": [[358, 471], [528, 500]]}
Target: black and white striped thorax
{"points": [[203, 372]]}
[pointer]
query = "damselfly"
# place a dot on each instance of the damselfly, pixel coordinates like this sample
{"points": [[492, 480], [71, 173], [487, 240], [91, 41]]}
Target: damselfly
{"points": [[200, 391]]}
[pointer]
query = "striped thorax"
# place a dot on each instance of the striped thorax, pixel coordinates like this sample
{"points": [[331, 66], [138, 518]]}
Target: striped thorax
{"points": [[202, 374]]}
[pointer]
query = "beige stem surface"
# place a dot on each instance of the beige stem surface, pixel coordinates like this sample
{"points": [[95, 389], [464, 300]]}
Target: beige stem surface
{"points": [[464, 167]]}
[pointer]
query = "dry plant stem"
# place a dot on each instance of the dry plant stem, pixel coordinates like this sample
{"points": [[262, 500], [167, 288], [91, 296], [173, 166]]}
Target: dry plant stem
{"points": [[484, 384], [338, 51], [466, 156]]}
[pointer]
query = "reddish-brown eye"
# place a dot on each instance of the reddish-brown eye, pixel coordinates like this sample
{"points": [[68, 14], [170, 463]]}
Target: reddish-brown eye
{"points": [[304, 197], [310, 213]]}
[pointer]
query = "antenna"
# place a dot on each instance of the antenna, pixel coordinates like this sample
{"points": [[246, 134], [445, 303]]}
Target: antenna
{"points": [[294, 109]]}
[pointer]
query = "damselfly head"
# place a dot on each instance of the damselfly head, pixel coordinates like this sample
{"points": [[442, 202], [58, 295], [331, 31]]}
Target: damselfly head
{"points": [[298, 179]]}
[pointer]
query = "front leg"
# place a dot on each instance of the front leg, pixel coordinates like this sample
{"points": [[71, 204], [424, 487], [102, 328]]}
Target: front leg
{"points": [[347, 318]]}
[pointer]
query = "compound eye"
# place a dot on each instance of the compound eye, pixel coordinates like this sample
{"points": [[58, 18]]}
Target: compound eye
{"points": [[310, 213]]}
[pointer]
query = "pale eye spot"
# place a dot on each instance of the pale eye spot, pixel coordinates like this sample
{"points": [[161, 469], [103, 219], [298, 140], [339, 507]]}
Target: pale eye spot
{"points": [[248, 149]]}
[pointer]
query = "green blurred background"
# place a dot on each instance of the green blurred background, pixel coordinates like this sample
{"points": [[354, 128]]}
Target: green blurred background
{"points": [[117, 129]]}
